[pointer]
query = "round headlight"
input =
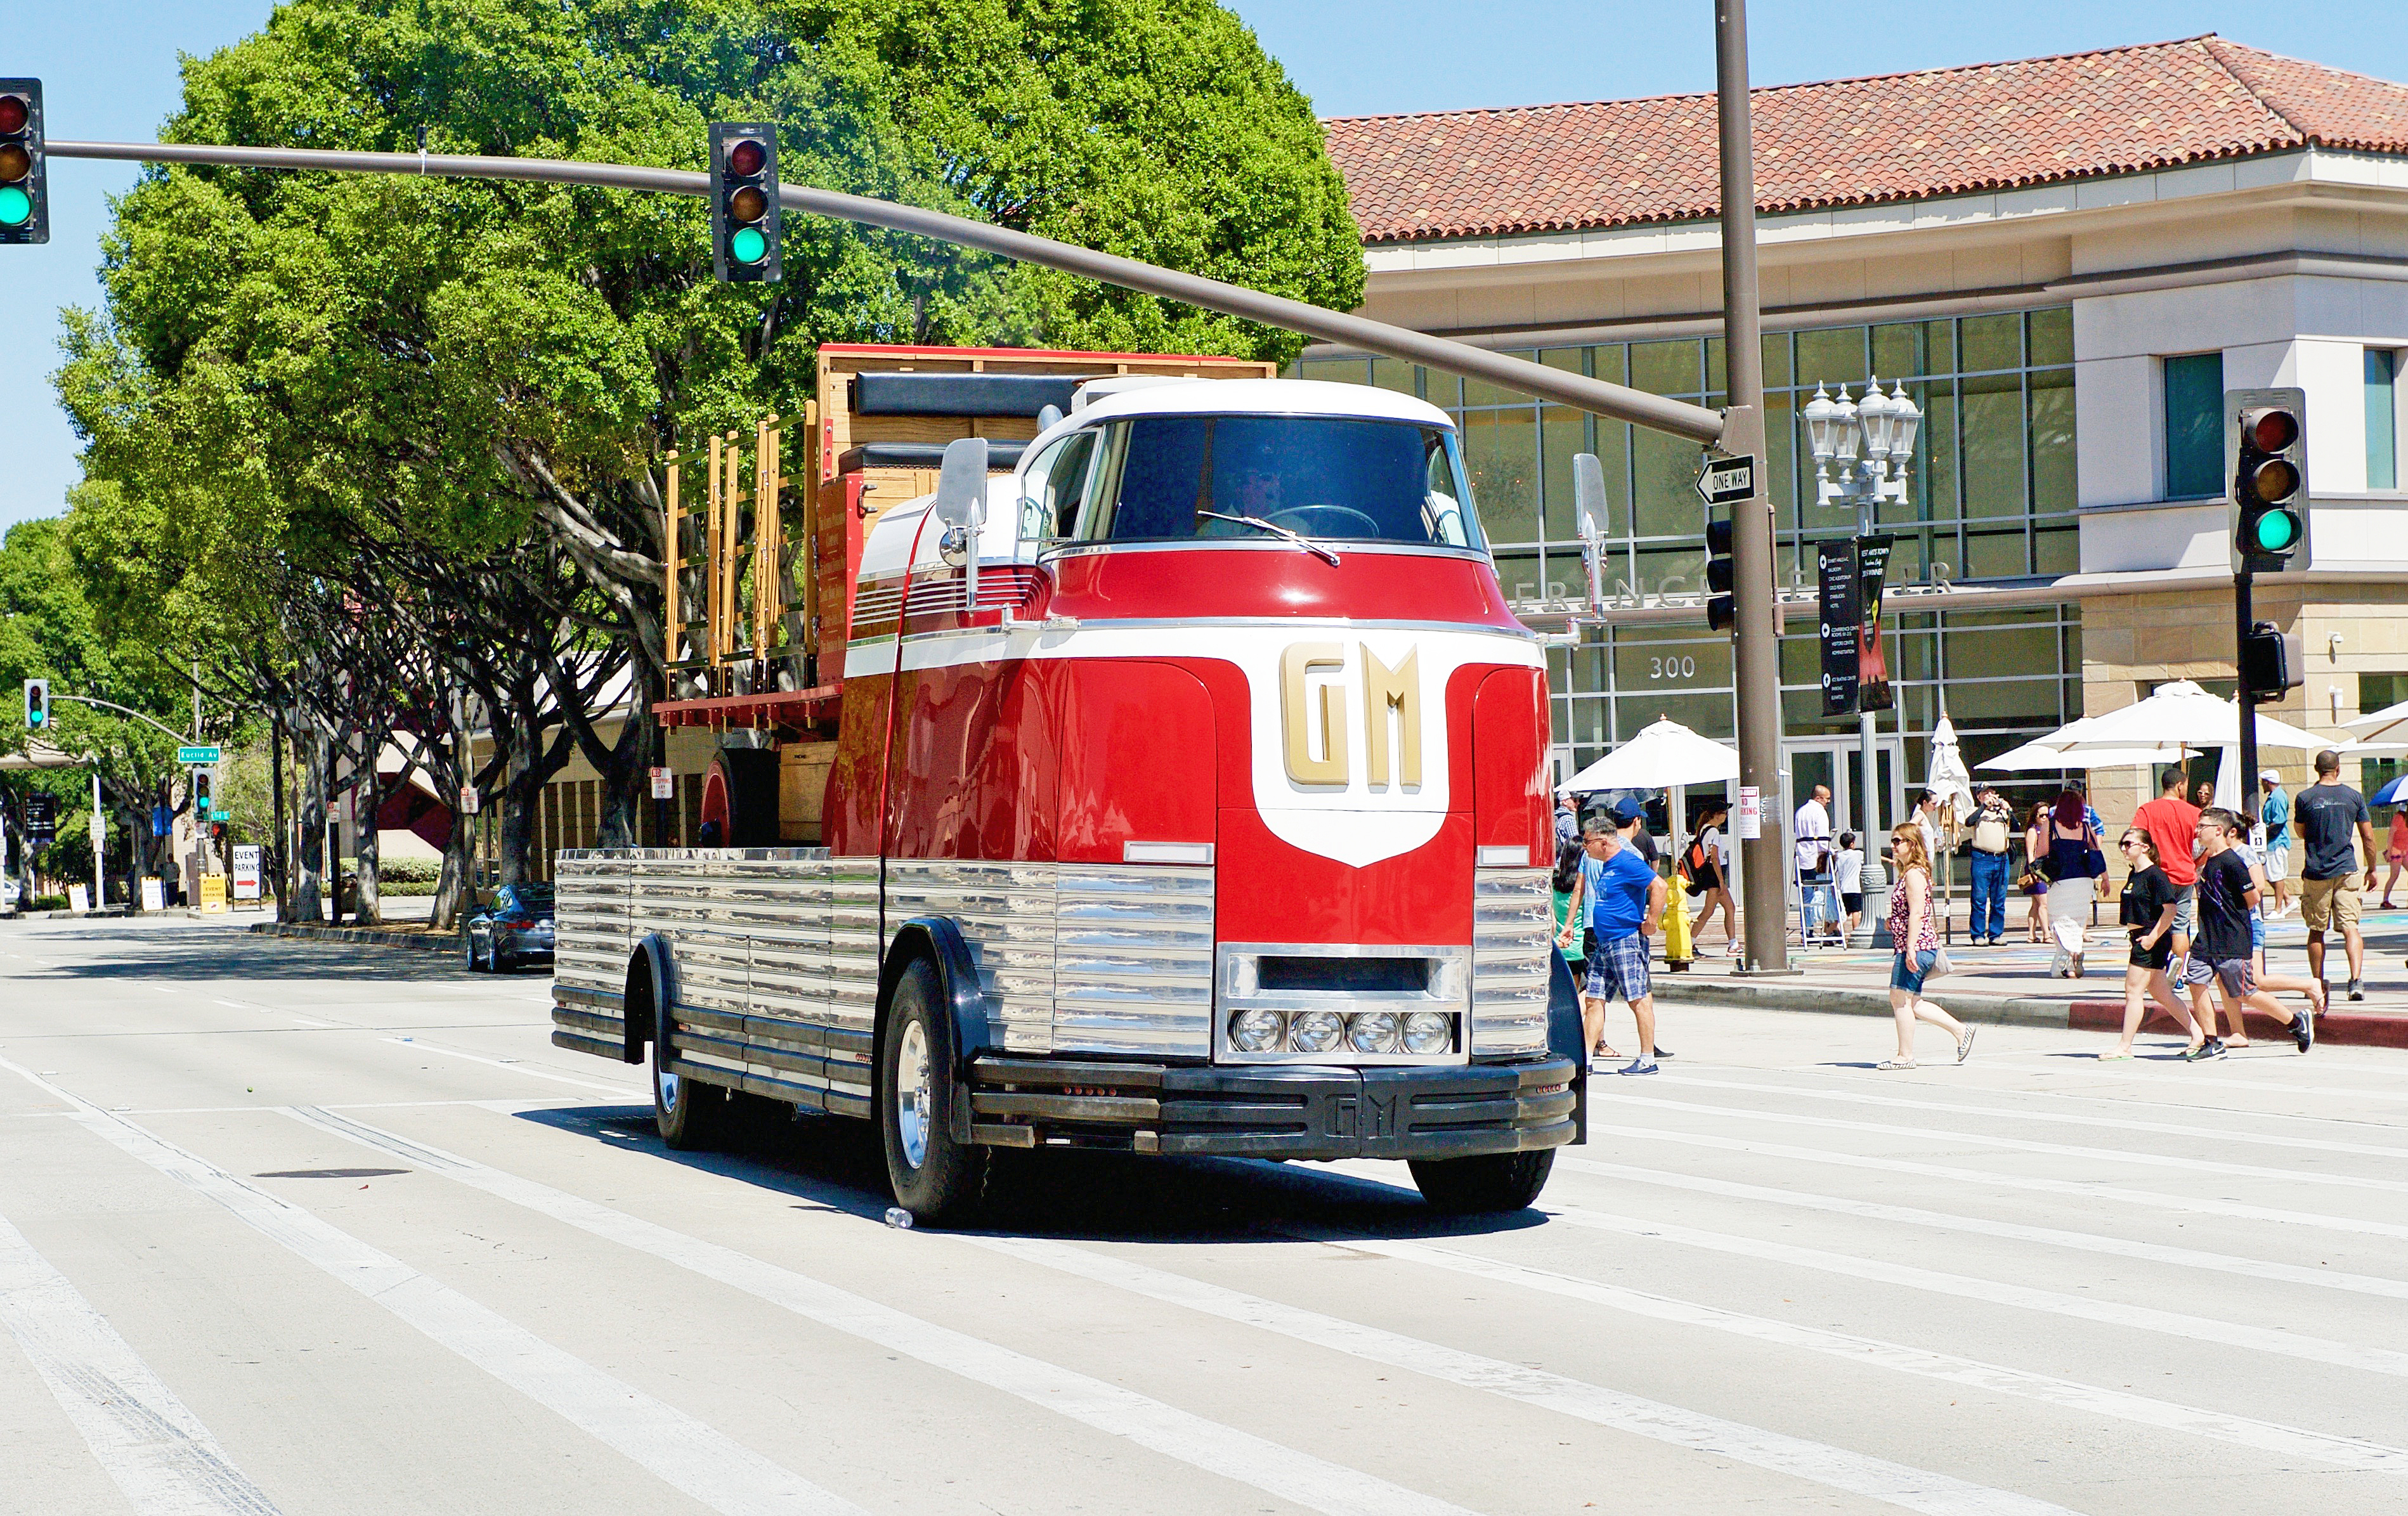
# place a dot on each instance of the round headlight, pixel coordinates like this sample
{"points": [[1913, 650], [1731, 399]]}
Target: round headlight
{"points": [[1373, 1030], [1256, 1030], [1314, 1031], [1426, 1031]]}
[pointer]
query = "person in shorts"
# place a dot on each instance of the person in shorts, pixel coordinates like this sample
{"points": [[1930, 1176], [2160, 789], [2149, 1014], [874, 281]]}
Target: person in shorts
{"points": [[2148, 914], [2172, 826], [1622, 898], [2221, 957], [1848, 873], [2332, 819], [2274, 814]]}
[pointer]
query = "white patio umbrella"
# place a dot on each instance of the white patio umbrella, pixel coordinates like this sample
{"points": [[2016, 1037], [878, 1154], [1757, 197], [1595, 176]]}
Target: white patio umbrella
{"points": [[1945, 775], [1665, 755], [2036, 757], [2180, 714], [2390, 722]]}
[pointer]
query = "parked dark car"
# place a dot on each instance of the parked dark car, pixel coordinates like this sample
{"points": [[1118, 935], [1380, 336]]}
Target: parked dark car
{"points": [[515, 928]]}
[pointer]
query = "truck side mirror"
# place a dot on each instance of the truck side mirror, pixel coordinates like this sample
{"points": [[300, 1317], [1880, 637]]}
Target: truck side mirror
{"points": [[961, 482], [1589, 507]]}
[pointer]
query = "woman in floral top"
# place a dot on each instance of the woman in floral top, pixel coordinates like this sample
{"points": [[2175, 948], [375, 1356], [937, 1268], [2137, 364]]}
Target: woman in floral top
{"points": [[1916, 934]]}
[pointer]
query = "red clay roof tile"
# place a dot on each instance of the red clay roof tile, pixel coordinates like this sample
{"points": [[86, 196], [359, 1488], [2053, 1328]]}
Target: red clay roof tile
{"points": [[1846, 142]]}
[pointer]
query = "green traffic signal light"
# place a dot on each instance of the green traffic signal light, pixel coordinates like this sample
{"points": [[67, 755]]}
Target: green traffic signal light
{"points": [[748, 245], [16, 206], [2275, 530]]}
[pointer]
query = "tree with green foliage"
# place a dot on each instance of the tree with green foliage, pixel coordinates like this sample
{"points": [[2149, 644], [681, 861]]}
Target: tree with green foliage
{"points": [[311, 376]]}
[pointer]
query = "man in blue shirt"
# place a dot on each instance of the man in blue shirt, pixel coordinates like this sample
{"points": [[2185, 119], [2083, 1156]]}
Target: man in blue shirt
{"points": [[2274, 813], [1622, 898]]}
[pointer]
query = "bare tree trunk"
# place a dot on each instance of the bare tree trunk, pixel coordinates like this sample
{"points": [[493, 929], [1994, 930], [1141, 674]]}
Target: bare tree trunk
{"points": [[281, 855], [367, 797], [309, 848]]}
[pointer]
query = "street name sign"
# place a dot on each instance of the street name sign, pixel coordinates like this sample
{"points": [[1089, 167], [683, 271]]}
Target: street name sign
{"points": [[1726, 480], [197, 755]]}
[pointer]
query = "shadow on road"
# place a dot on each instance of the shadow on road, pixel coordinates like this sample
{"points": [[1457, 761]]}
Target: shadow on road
{"points": [[833, 1164], [100, 954]]}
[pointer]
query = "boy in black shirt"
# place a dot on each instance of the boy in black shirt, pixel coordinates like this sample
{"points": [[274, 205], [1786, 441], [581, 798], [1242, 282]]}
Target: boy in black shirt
{"points": [[2220, 951]]}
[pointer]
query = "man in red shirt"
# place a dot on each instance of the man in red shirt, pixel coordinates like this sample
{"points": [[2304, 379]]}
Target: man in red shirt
{"points": [[2172, 823]]}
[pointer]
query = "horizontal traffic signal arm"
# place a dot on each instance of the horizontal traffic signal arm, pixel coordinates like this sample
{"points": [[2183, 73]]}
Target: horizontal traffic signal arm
{"points": [[1675, 418]]}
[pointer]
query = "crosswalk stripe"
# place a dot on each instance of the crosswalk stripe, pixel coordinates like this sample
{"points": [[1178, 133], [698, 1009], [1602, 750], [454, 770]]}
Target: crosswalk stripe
{"points": [[2048, 1236], [2087, 1399], [1899, 1484], [144, 1437], [1300, 1478], [633, 1091], [683, 1452], [2000, 1293], [2219, 1134], [2104, 1155], [2234, 1209]]}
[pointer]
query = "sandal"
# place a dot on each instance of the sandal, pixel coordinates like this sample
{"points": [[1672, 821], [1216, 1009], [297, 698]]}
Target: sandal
{"points": [[2115, 1057], [1891, 1066]]}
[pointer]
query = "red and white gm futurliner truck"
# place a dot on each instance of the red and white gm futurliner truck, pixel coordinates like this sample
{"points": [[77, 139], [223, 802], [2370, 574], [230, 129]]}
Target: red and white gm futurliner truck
{"points": [[1184, 794]]}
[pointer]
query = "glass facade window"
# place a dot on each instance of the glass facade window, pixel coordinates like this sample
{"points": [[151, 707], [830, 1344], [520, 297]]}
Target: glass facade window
{"points": [[2382, 419], [1991, 496], [2194, 425]]}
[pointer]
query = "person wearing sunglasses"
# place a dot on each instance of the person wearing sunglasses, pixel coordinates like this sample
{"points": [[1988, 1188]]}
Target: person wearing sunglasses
{"points": [[2148, 917]]}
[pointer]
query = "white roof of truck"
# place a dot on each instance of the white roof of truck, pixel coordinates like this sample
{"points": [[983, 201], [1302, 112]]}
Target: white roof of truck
{"points": [[1262, 397]]}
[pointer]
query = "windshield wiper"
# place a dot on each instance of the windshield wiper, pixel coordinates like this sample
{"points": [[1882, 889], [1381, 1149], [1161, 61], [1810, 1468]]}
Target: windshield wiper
{"points": [[1276, 530]]}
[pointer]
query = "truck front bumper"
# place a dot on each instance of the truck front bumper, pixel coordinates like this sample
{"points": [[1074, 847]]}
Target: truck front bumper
{"points": [[1449, 1112]]}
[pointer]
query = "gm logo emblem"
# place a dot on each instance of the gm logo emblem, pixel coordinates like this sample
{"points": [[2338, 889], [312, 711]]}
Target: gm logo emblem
{"points": [[1321, 694]]}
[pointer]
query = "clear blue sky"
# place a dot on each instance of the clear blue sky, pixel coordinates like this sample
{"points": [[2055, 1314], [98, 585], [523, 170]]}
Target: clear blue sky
{"points": [[110, 72]]}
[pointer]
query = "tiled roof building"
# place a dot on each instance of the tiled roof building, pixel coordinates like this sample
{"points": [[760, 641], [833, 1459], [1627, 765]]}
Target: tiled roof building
{"points": [[1850, 142]]}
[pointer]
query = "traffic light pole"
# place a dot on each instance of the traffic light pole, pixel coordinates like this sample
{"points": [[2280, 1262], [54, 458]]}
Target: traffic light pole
{"points": [[2244, 617], [1677, 417], [1756, 631]]}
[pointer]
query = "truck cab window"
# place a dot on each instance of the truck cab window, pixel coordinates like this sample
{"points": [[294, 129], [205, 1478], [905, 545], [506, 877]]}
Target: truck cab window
{"points": [[1179, 478], [1055, 486]]}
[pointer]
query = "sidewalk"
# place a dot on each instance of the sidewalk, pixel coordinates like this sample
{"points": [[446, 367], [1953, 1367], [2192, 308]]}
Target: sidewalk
{"points": [[2010, 983]]}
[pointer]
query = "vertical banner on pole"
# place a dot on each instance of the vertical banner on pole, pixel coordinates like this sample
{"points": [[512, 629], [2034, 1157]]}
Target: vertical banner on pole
{"points": [[1873, 663], [1838, 630]]}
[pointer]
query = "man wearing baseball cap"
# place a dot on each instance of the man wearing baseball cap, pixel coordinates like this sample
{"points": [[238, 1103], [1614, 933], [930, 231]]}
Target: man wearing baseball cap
{"points": [[2274, 810]]}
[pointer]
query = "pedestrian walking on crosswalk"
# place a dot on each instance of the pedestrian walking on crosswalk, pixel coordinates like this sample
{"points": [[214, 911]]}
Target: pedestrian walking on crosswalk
{"points": [[1913, 928]]}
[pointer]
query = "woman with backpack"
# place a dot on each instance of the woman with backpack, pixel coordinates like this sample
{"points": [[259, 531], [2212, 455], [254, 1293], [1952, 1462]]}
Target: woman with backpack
{"points": [[1707, 881]]}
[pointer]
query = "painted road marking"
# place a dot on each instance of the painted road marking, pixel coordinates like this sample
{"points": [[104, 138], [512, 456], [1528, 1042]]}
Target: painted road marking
{"points": [[1999, 1292], [2218, 1134], [2047, 1235], [2060, 1149], [1191, 1440], [1899, 1484], [144, 1439], [2235, 1209], [686, 1453], [2086, 1399], [632, 1091]]}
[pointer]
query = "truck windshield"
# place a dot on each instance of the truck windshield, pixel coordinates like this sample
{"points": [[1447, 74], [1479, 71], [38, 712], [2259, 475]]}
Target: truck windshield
{"points": [[1167, 479]]}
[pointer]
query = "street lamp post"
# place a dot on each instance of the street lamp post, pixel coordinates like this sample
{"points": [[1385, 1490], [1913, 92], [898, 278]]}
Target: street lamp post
{"points": [[1881, 428]]}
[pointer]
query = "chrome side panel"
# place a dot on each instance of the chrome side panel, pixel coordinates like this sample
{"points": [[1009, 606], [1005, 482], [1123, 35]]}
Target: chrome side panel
{"points": [[1006, 914], [1513, 930], [1133, 959], [776, 951]]}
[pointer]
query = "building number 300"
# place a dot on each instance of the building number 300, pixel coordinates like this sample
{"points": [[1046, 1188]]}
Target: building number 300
{"points": [[1672, 668]]}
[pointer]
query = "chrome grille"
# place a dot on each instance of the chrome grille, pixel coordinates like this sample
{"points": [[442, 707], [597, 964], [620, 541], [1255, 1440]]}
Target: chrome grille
{"points": [[1513, 937], [1133, 959]]}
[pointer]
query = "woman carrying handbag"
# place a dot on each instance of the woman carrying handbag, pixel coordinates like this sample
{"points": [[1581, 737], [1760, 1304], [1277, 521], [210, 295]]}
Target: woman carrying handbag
{"points": [[1913, 928]]}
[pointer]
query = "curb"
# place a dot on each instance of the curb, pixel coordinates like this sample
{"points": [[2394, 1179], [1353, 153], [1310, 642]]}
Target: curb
{"points": [[424, 941], [2360, 1029]]}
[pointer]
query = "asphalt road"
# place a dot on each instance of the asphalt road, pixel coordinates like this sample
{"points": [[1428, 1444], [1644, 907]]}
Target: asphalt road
{"points": [[293, 1227]]}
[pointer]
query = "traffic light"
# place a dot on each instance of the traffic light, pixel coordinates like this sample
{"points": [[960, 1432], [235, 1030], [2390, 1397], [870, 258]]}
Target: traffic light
{"points": [[24, 197], [2268, 445], [744, 215], [205, 784], [37, 705], [1722, 576], [2267, 668]]}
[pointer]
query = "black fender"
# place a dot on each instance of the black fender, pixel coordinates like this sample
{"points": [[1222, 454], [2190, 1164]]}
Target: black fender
{"points": [[651, 990], [1566, 1038], [939, 940]]}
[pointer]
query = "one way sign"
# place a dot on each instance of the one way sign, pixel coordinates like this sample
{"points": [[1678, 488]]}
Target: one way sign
{"points": [[1726, 480]]}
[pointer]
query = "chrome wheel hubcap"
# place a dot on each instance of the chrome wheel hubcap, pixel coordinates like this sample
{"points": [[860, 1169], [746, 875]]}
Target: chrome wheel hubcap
{"points": [[912, 1093], [666, 1085]]}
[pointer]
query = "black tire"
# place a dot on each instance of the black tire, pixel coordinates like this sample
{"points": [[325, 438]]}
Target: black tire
{"points": [[1499, 1183], [469, 939], [689, 1114], [947, 1179]]}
